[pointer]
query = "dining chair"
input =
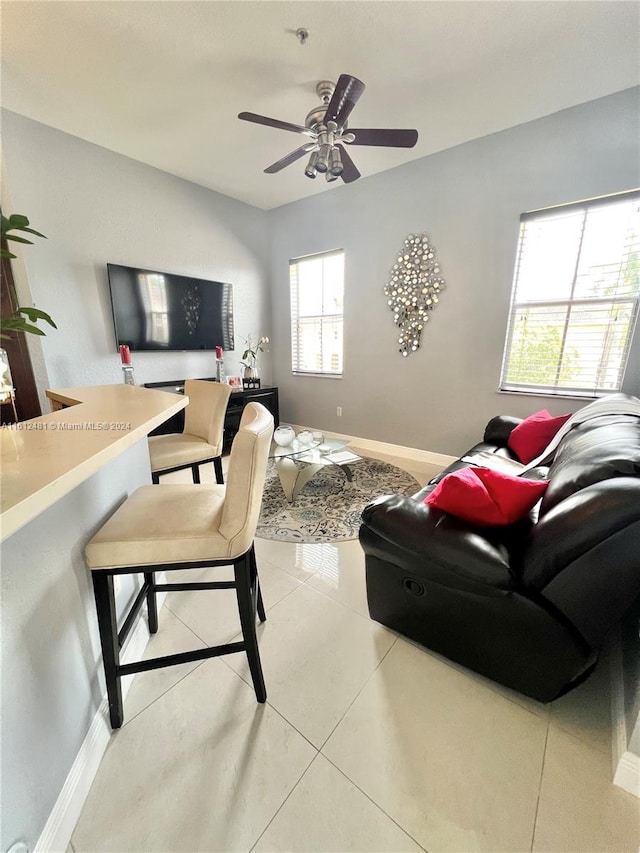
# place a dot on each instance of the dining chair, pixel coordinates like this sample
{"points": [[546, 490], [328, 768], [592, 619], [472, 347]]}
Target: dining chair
{"points": [[185, 527], [201, 439]]}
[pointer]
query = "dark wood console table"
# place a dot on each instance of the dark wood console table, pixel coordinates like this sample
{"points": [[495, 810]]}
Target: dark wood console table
{"points": [[238, 400]]}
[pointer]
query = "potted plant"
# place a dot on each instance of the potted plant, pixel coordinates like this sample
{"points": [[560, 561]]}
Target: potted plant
{"points": [[250, 356], [16, 322]]}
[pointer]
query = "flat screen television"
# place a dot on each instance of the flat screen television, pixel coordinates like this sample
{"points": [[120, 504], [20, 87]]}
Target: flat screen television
{"points": [[160, 311]]}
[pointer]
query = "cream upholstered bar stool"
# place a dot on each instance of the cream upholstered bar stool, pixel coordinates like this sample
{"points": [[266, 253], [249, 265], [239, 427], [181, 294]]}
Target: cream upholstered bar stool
{"points": [[201, 439], [185, 527]]}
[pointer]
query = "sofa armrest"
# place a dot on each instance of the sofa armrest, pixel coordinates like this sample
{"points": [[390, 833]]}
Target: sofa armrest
{"points": [[584, 556], [500, 428], [429, 543], [578, 525]]}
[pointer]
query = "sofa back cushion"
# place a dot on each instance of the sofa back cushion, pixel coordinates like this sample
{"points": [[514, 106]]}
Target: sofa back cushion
{"points": [[591, 452]]}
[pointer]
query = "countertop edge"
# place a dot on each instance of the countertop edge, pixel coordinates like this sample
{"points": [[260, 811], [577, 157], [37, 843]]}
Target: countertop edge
{"points": [[29, 507]]}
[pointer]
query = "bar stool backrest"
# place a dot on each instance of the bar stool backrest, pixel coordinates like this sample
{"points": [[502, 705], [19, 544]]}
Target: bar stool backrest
{"points": [[204, 416], [246, 476]]}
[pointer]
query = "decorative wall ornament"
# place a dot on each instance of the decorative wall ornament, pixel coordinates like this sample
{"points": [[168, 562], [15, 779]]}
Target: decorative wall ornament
{"points": [[191, 302], [413, 290]]}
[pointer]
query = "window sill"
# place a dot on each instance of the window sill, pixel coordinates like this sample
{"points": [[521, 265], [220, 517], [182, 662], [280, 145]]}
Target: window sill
{"points": [[316, 375], [551, 396]]}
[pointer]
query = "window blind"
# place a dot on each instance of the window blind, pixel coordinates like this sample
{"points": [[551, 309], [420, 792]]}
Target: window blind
{"points": [[575, 298], [317, 291]]}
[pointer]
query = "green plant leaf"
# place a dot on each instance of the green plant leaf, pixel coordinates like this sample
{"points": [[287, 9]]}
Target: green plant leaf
{"points": [[33, 231], [18, 239], [5, 253], [35, 314], [33, 330], [17, 220], [19, 324]]}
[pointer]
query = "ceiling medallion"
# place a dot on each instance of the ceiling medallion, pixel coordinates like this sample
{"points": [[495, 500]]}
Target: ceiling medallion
{"points": [[413, 290]]}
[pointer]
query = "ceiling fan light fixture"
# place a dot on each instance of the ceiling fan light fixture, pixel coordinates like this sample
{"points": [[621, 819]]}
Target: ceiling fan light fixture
{"points": [[331, 177], [322, 164], [335, 163], [326, 127], [311, 169]]}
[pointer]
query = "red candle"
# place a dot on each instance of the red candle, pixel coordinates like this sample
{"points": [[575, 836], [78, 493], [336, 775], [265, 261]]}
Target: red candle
{"points": [[125, 355], [219, 352]]}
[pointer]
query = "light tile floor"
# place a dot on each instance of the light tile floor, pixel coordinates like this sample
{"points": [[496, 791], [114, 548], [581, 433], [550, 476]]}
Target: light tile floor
{"points": [[367, 742]]}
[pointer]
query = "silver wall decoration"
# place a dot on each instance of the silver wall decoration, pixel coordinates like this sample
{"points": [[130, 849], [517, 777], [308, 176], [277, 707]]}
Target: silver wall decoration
{"points": [[413, 290]]}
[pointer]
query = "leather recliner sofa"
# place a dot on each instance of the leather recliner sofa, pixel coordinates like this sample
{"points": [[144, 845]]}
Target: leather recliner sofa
{"points": [[528, 604]]}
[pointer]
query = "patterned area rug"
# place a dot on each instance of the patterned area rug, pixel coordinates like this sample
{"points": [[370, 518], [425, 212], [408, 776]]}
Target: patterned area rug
{"points": [[328, 508]]}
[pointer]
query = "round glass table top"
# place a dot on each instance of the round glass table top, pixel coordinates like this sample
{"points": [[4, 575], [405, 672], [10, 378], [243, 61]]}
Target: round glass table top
{"points": [[313, 452]]}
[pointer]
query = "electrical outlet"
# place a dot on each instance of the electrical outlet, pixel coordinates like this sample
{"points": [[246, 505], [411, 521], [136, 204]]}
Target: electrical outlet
{"points": [[339, 411], [117, 585]]}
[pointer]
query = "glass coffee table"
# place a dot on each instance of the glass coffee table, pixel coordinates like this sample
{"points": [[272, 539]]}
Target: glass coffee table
{"points": [[297, 463]]}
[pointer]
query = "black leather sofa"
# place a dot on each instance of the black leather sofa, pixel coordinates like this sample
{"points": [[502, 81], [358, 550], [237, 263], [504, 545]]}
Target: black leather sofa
{"points": [[528, 604]]}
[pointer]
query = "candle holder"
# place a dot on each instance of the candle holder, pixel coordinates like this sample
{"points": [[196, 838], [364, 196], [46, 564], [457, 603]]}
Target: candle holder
{"points": [[127, 367], [127, 372]]}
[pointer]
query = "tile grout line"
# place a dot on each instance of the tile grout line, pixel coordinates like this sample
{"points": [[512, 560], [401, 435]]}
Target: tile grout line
{"points": [[188, 627], [289, 722], [489, 683], [371, 800], [544, 759], [280, 807], [366, 681], [273, 707], [179, 681], [160, 695]]}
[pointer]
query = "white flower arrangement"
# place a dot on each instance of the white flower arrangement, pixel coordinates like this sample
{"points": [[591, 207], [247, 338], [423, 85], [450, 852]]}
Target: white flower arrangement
{"points": [[250, 354]]}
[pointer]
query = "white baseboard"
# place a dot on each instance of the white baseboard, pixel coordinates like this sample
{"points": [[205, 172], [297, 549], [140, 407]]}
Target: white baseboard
{"points": [[627, 774], [412, 453], [626, 765], [60, 824]]}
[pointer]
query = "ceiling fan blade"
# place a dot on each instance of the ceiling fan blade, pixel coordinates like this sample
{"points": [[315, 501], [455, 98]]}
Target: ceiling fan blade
{"points": [[345, 97], [288, 160], [349, 170], [274, 122], [391, 138]]}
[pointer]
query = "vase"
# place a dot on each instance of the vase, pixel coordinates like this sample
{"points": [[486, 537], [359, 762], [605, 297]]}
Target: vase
{"points": [[6, 382], [283, 435], [305, 438], [7, 391], [251, 372]]}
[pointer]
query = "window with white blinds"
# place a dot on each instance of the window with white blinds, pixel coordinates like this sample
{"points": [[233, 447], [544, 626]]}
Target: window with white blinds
{"points": [[575, 298], [317, 289]]}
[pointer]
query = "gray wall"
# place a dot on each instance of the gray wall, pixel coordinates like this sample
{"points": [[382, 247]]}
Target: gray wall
{"points": [[468, 199], [97, 207], [52, 681]]}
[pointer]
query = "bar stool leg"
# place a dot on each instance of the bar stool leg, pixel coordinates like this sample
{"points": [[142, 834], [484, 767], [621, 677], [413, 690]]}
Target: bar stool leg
{"points": [[155, 478], [108, 628], [152, 604], [195, 470], [217, 467], [261, 614], [242, 570], [255, 581]]}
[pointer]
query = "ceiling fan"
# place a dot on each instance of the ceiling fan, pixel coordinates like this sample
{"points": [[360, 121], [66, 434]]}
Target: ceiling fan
{"points": [[326, 125]]}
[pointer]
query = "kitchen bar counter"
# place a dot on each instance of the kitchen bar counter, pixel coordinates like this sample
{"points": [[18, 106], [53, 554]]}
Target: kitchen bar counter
{"points": [[45, 458]]}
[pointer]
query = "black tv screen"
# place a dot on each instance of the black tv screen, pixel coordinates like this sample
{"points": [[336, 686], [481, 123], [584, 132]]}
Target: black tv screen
{"points": [[163, 311]]}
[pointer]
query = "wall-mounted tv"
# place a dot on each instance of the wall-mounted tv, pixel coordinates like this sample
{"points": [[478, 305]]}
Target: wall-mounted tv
{"points": [[162, 311]]}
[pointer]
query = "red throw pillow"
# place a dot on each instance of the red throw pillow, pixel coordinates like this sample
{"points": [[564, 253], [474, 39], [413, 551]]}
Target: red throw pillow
{"points": [[484, 497], [530, 438]]}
